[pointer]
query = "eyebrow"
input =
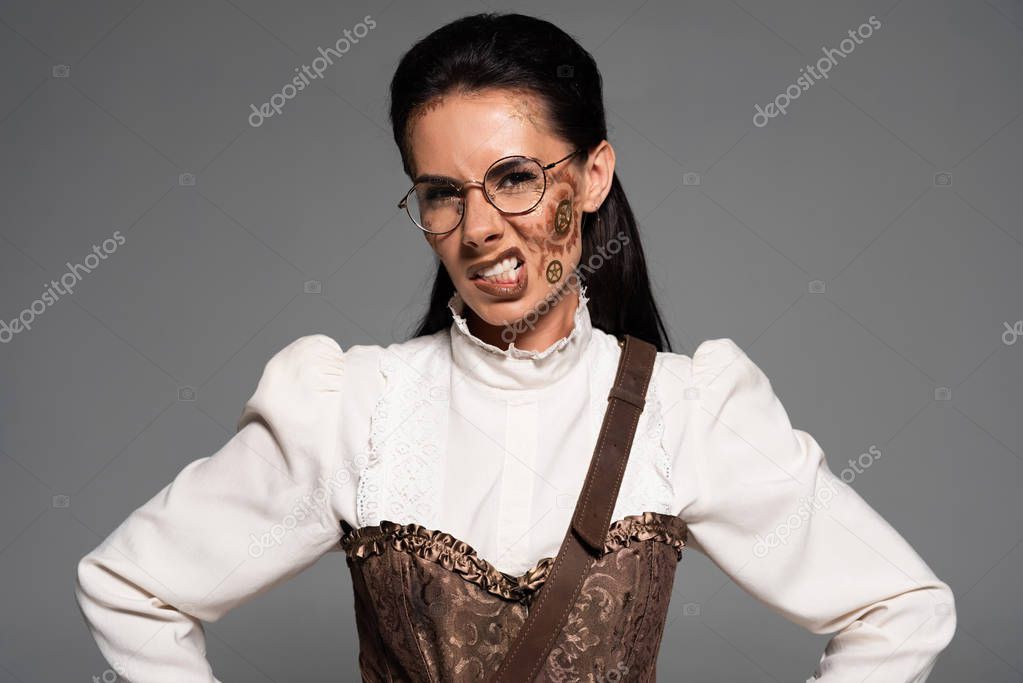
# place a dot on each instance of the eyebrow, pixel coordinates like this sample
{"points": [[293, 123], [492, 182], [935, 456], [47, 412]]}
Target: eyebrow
{"points": [[433, 178], [429, 178]]}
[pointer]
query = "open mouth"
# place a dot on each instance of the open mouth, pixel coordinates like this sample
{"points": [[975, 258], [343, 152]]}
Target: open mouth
{"points": [[501, 273]]}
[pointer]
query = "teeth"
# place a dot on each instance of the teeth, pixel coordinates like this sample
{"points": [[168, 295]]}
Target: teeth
{"points": [[502, 268]]}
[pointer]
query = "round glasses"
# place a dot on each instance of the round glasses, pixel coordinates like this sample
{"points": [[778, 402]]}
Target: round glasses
{"points": [[513, 185]]}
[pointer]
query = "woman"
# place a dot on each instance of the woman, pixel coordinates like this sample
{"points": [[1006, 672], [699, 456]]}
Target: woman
{"points": [[447, 467]]}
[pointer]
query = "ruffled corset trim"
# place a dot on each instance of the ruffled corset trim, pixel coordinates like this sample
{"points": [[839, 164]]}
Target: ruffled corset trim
{"points": [[458, 556]]}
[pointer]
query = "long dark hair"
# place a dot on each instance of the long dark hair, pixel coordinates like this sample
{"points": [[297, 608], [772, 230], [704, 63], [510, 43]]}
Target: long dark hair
{"points": [[523, 53]]}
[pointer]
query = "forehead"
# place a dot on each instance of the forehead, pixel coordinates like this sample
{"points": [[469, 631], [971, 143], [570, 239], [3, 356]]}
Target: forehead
{"points": [[460, 134]]}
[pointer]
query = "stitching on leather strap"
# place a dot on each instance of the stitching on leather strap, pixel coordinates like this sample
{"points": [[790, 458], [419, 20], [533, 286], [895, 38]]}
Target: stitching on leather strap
{"points": [[578, 550], [627, 395]]}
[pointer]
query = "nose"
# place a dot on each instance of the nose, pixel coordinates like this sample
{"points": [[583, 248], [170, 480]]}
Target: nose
{"points": [[482, 223]]}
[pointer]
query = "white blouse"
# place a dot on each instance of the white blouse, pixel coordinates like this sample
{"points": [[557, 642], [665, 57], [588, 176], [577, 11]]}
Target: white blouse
{"points": [[492, 446]]}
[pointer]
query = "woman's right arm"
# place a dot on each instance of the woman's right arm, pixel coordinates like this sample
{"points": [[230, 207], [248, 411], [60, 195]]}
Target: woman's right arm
{"points": [[228, 527]]}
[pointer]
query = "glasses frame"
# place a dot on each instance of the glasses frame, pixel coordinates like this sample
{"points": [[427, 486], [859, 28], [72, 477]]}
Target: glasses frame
{"points": [[460, 190]]}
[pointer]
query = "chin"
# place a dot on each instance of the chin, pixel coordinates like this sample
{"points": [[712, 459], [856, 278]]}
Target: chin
{"points": [[500, 313]]}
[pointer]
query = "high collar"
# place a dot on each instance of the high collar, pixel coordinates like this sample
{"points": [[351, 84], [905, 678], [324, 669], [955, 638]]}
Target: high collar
{"points": [[515, 368]]}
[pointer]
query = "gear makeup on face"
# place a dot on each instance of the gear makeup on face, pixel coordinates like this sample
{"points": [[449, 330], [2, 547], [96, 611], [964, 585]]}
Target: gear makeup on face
{"points": [[554, 271], [563, 217]]}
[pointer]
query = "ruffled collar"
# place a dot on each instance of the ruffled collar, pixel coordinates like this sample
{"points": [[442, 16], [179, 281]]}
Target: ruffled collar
{"points": [[515, 368]]}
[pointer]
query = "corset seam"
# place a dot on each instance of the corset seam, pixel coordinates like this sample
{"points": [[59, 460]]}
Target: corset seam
{"points": [[371, 615], [650, 556], [406, 587]]}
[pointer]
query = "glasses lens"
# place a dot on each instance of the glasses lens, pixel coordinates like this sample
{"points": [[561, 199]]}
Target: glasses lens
{"points": [[515, 184], [435, 207]]}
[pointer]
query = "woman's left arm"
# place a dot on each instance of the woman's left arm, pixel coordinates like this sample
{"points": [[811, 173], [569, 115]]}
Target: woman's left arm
{"points": [[763, 505]]}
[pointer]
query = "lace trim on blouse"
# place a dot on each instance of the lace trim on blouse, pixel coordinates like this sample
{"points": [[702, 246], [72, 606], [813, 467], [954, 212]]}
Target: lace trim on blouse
{"points": [[408, 430], [407, 436], [461, 326]]}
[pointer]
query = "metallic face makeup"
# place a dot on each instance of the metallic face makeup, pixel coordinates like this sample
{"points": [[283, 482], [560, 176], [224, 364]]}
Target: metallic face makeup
{"points": [[459, 136], [563, 216], [554, 271], [552, 232]]}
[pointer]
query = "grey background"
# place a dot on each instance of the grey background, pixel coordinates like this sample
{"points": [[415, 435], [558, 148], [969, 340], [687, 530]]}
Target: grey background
{"points": [[920, 277]]}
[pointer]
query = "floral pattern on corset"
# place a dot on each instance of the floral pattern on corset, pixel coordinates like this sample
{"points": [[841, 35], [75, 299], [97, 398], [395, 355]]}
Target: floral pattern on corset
{"points": [[461, 558]]}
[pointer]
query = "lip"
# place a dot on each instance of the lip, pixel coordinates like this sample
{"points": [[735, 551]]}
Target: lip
{"points": [[507, 253], [505, 291]]}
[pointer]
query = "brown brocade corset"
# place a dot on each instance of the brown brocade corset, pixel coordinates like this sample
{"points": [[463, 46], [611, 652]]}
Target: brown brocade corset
{"points": [[429, 609]]}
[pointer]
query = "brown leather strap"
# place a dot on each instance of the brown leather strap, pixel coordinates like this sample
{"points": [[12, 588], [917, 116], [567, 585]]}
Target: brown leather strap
{"points": [[584, 540], [596, 503]]}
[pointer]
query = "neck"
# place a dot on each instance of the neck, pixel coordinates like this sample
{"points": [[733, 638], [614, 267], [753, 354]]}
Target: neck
{"points": [[547, 359], [535, 332]]}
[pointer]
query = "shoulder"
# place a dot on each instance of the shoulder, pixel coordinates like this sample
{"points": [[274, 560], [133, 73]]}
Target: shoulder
{"points": [[733, 435], [716, 369], [714, 364], [306, 380], [706, 361], [315, 370], [317, 362], [313, 362]]}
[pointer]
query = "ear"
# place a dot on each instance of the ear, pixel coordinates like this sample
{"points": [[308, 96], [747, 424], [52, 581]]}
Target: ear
{"points": [[599, 172]]}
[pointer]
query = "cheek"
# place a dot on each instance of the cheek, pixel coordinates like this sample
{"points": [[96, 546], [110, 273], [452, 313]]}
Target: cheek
{"points": [[434, 244], [554, 233], [445, 250], [565, 232]]}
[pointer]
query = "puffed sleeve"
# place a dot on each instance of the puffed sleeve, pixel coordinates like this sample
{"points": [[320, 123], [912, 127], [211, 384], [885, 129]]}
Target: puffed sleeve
{"points": [[770, 513], [227, 527]]}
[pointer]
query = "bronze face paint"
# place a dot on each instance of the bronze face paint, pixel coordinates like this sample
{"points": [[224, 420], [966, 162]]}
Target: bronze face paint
{"points": [[524, 110], [563, 216], [551, 232], [554, 271]]}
